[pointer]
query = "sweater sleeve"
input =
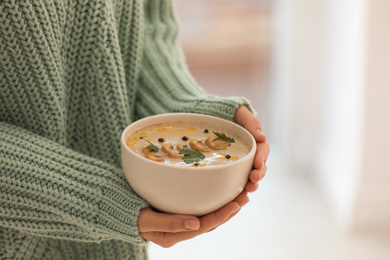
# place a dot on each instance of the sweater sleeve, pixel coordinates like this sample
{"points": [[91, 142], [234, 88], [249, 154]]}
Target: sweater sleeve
{"points": [[49, 190], [165, 84]]}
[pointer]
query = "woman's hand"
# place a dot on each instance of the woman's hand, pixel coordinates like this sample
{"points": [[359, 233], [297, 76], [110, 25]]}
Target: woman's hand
{"points": [[246, 119], [167, 230]]}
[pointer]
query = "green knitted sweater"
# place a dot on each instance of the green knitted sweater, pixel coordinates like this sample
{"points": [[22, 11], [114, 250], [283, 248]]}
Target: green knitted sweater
{"points": [[73, 75]]}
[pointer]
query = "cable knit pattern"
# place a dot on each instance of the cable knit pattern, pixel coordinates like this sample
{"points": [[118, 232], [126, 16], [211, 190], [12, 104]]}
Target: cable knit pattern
{"points": [[73, 75]]}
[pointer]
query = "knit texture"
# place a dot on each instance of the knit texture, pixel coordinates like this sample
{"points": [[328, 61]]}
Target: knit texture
{"points": [[73, 75]]}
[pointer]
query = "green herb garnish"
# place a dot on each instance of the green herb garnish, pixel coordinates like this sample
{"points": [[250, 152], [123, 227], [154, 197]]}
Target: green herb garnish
{"points": [[223, 136], [152, 146], [191, 155]]}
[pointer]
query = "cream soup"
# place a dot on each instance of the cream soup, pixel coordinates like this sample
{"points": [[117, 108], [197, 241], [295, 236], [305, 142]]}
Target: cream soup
{"points": [[185, 144]]}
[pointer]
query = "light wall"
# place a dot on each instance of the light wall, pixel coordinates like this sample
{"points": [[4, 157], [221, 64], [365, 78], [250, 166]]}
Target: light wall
{"points": [[338, 168], [295, 85], [372, 208], [330, 120]]}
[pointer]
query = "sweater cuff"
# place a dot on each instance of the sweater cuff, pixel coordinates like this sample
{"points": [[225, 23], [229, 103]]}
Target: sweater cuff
{"points": [[223, 107], [118, 210]]}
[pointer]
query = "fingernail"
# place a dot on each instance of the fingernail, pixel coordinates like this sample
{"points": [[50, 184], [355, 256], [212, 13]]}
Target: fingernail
{"points": [[259, 131], [191, 224]]}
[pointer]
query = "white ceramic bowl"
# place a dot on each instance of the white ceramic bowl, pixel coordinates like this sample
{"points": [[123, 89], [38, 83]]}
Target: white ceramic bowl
{"points": [[187, 190]]}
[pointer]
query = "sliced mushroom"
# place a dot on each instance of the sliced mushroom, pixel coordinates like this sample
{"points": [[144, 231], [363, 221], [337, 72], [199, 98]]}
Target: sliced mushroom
{"points": [[216, 143], [181, 146], [153, 155], [169, 149], [199, 145]]}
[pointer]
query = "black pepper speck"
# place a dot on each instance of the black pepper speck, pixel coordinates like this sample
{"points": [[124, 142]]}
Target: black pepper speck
{"points": [[227, 156], [161, 140], [184, 138]]}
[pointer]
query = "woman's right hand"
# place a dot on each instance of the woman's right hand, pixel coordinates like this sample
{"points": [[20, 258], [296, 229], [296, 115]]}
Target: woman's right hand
{"points": [[167, 230]]}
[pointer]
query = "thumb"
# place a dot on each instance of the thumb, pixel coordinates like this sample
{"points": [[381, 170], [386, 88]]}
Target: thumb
{"points": [[254, 127], [247, 119], [151, 221]]}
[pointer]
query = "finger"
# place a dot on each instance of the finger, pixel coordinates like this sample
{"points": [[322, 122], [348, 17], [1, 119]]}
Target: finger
{"points": [[242, 199], [251, 187], [255, 175], [263, 171], [231, 216], [245, 118], [261, 156], [150, 220], [212, 221], [254, 127], [208, 222], [257, 133], [218, 217]]}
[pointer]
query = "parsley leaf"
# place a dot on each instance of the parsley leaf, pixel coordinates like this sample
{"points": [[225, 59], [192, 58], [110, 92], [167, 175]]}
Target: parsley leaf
{"points": [[223, 136], [191, 155], [152, 146]]}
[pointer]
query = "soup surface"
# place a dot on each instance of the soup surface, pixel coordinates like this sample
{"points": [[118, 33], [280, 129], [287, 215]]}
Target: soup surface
{"points": [[186, 144]]}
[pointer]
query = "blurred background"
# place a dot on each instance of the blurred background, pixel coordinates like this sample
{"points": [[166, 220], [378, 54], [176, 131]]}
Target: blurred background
{"points": [[317, 73]]}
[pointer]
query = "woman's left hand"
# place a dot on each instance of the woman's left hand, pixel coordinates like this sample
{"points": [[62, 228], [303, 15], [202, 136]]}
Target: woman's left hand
{"points": [[246, 119]]}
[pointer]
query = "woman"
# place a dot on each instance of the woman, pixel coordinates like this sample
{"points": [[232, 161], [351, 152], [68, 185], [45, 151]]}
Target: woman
{"points": [[72, 76]]}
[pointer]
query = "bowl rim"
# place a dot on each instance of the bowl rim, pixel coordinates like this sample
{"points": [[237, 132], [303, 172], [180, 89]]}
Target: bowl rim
{"points": [[221, 166]]}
